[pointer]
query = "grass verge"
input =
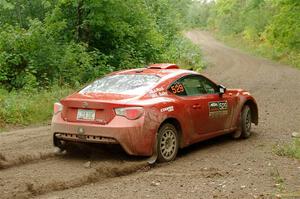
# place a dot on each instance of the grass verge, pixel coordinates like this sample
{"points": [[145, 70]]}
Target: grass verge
{"points": [[290, 150], [22, 108], [261, 49]]}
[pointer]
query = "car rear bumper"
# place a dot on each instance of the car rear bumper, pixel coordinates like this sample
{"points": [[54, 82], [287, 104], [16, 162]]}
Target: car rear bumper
{"points": [[135, 137]]}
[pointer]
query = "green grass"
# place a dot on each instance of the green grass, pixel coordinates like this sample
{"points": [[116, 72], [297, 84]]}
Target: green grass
{"points": [[22, 108], [278, 180], [262, 49], [290, 150]]}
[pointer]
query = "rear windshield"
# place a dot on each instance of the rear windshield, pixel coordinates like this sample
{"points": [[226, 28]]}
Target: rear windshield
{"points": [[127, 84]]}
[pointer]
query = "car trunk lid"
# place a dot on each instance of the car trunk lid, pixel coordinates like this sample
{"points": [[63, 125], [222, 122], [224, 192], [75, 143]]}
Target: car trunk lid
{"points": [[95, 108]]}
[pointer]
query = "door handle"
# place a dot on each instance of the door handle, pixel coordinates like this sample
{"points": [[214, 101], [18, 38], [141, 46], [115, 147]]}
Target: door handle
{"points": [[195, 106]]}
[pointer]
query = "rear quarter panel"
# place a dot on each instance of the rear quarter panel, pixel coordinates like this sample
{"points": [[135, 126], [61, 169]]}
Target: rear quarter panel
{"points": [[159, 109]]}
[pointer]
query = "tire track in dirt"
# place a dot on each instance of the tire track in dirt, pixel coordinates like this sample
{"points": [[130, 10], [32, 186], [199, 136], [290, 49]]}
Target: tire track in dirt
{"points": [[25, 146], [30, 167], [98, 174], [64, 172], [24, 159]]}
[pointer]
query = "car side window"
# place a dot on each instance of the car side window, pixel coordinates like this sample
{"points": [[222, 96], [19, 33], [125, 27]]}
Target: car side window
{"points": [[209, 86], [193, 85]]}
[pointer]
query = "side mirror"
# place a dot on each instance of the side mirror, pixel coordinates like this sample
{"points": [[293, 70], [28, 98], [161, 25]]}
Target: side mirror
{"points": [[221, 89]]}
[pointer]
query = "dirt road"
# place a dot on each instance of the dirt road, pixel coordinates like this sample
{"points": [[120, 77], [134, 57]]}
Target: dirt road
{"points": [[219, 168]]}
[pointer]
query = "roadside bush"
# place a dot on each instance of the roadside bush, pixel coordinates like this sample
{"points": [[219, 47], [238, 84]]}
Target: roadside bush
{"points": [[35, 58], [28, 58], [183, 52], [78, 65]]}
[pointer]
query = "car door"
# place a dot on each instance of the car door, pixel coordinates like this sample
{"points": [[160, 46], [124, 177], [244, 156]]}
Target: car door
{"points": [[220, 107], [207, 111]]}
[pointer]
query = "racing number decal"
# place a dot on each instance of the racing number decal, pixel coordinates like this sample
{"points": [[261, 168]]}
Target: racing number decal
{"points": [[217, 109], [223, 106], [177, 88]]}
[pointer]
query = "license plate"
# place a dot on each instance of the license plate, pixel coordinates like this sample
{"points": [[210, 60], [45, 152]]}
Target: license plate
{"points": [[83, 114]]}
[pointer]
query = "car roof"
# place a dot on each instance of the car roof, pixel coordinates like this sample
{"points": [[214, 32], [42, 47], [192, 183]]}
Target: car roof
{"points": [[161, 70]]}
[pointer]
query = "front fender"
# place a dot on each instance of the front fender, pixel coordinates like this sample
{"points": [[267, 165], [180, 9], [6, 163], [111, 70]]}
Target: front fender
{"points": [[246, 99]]}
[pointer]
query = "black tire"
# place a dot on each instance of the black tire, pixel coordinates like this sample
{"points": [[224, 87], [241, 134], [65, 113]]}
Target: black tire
{"points": [[246, 122], [61, 144], [244, 130], [167, 143]]}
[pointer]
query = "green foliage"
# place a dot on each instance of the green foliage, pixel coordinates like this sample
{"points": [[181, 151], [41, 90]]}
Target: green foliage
{"points": [[199, 14], [35, 58], [19, 12], [168, 15], [24, 54], [70, 42], [123, 30], [233, 17], [78, 65], [185, 53], [270, 27], [284, 29]]}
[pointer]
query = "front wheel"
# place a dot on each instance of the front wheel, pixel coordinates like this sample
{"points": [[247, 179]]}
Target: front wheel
{"points": [[167, 143], [244, 130], [246, 122]]}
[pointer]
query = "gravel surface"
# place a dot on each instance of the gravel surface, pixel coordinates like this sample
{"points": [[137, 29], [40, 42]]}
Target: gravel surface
{"points": [[218, 168]]}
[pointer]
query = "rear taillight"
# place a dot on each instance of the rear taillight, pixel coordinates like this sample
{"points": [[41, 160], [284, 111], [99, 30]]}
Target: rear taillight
{"points": [[131, 113], [57, 108]]}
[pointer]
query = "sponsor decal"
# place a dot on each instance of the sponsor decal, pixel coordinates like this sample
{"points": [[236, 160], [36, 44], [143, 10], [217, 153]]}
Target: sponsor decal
{"points": [[159, 89], [167, 109], [218, 109], [158, 92]]}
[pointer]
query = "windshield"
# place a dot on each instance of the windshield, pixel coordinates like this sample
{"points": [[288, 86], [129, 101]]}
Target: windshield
{"points": [[127, 84]]}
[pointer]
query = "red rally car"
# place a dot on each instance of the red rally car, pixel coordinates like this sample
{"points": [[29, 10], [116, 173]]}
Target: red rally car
{"points": [[153, 111]]}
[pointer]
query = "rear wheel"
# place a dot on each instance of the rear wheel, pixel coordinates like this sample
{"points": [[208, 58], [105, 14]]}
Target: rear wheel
{"points": [[167, 143], [60, 144]]}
